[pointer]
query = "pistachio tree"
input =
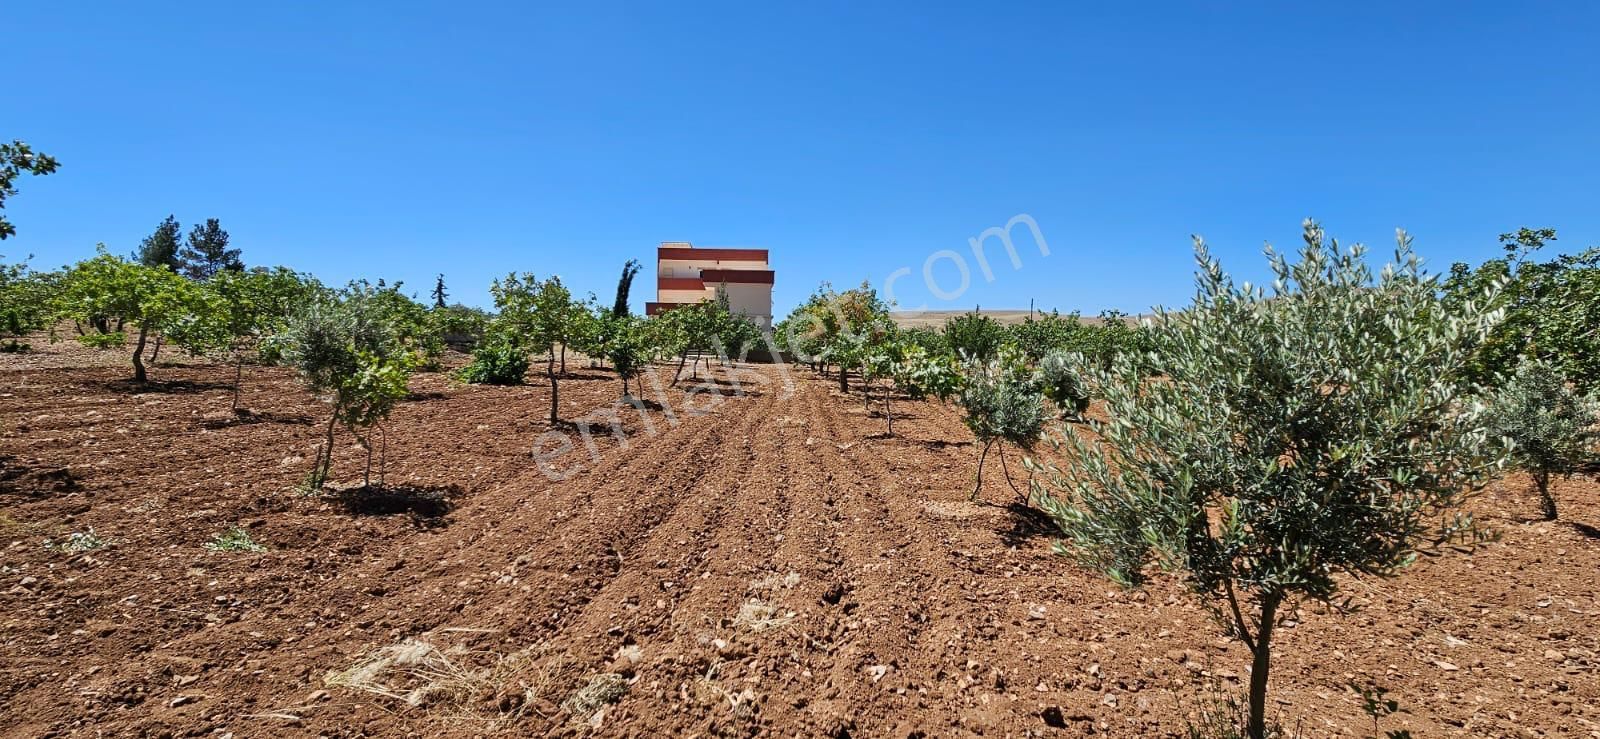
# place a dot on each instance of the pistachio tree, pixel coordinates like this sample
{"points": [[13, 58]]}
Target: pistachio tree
{"points": [[25, 297], [541, 317], [154, 299], [1290, 436], [251, 306], [17, 158]]}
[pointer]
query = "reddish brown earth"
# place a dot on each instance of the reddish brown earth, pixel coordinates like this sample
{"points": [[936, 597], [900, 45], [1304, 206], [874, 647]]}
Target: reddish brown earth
{"points": [[758, 564]]}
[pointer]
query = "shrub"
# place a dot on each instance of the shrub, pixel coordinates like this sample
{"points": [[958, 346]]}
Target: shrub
{"points": [[1292, 438], [235, 539], [1552, 429], [1061, 378], [496, 362], [113, 340]]}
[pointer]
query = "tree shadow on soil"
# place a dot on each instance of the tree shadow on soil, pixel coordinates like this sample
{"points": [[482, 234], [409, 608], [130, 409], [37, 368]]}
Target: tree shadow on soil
{"points": [[427, 505], [1586, 530], [726, 392], [1027, 523], [246, 417], [421, 397], [164, 387], [577, 376], [17, 478]]}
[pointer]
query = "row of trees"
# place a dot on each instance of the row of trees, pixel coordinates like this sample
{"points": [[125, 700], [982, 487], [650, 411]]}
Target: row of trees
{"points": [[1009, 381], [541, 318], [1263, 444]]}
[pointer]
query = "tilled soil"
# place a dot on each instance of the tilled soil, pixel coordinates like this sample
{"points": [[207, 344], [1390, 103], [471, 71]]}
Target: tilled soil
{"points": [[754, 556]]}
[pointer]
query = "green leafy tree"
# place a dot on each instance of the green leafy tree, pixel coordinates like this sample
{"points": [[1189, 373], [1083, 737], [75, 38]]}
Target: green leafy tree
{"points": [[1049, 332], [248, 308], [1553, 429], [25, 302], [16, 159], [152, 298], [1292, 437], [160, 248], [539, 316], [346, 350], [589, 329], [630, 347], [914, 372], [460, 323], [974, 335], [1552, 309], [411, 323], [207, 252], [1063, 379]]}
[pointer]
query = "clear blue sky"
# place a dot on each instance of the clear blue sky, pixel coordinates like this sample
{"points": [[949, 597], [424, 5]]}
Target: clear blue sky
{"points": [[852, 139]]}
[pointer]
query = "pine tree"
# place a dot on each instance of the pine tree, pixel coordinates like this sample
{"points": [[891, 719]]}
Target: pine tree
{"points": [[439, 294], [160, 249], [208, 252], [620, 307]]}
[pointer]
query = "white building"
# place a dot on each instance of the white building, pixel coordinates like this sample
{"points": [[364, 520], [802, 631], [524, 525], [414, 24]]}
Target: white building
{"points": [[686, 275]]}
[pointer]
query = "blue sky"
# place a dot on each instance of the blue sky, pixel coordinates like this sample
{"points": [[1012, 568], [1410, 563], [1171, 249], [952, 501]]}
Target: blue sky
{"points": [[852, 139]]}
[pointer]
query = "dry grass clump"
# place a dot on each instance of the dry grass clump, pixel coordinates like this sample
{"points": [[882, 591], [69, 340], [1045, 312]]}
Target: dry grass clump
{"points": [[457, 683]]}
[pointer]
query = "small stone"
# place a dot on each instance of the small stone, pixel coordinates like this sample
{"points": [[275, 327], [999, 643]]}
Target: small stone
{"points": [[182, 700], [1553, 655], [876, 672], [1446, 666], [317, 697]]}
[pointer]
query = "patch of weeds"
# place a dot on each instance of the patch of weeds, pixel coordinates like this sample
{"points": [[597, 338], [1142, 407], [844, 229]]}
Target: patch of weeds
{"points": [[602, 690], [235, 539], [311, 484], [1225, 717], [15, 347], [1377, 704], [78, 542]]}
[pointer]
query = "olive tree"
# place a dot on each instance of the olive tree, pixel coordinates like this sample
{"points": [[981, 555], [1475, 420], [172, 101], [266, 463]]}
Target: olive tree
{"points": [[1552, 429], [1002, 404], [1289, 436], [346, 351]]}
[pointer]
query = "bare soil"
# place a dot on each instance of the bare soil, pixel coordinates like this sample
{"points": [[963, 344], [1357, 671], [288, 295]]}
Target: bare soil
{"points": [[754, 557]]}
